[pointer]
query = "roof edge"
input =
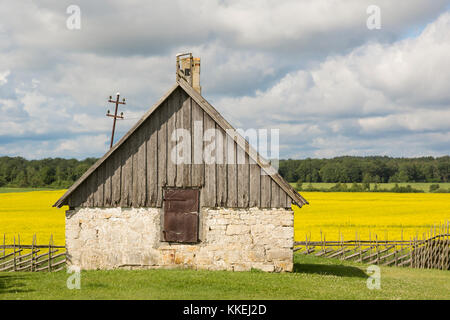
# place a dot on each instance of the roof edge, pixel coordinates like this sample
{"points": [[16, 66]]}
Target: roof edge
{"points": [[244, 144], [61, 200], [219, 119]]}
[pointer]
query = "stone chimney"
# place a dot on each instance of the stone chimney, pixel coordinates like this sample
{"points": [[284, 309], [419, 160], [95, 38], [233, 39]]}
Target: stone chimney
{"points": [[188, 68]]}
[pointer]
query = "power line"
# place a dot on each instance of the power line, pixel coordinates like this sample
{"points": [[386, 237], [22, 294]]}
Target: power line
{"points": [[115, 116]]}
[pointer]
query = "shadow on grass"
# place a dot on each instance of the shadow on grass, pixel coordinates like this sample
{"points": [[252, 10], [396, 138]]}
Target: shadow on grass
{"points": [[10, 283], [332, 270]]}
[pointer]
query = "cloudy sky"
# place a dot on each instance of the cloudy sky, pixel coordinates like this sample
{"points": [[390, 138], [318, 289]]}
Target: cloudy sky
{"points": [[311, 68]]}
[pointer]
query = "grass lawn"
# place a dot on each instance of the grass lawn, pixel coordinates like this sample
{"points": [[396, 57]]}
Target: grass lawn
{"points": [[314, 278]]}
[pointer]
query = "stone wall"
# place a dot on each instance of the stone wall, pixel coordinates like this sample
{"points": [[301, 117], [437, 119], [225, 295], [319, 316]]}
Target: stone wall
{"points": [[231, 239]]}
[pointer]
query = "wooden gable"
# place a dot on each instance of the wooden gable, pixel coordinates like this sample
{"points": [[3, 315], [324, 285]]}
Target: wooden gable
{"points": [[135, 172]]}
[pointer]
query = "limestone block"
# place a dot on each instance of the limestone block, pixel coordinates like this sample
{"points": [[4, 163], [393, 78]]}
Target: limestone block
{"points": [[184, 257], [283, 266], [241, 267], [264, 229], [264, 267], [257, 254], [284, 243], [283, 233], [279, 254], [233, 229], [72, 233], [167, 257]]}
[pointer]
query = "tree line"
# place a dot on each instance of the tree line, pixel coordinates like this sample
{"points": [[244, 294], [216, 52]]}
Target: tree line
{"points": [[62, 173], [46, 173], [375, 169]]}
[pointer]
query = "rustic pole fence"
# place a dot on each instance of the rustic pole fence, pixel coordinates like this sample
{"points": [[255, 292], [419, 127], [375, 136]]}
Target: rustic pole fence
{"points": [[33, 257], [431, 251]]}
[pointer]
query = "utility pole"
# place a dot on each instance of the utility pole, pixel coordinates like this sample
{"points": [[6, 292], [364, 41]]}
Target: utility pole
{"points": [[115, 116]]}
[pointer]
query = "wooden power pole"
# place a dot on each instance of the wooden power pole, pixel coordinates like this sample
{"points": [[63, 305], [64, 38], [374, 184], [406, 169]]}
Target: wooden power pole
{"points": [[115, 116]]}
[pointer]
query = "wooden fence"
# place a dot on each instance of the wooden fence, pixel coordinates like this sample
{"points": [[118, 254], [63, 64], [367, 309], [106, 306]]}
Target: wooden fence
{"points": [[432, 250], [32, 257]]}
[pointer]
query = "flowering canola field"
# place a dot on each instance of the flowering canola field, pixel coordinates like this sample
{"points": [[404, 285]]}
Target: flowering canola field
{"points": [[28, 213], [345, 213], [369, 213]]}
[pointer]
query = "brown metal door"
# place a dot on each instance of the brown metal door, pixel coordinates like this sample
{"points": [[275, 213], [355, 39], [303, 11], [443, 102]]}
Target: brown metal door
{"points": [[181, 215]]}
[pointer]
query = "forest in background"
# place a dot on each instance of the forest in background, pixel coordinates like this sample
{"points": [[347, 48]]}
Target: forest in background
{"points": [[366, 169], [61, 173], [52, 173]]}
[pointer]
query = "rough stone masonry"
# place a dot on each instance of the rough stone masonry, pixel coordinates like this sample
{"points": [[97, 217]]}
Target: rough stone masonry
{"points": [[230, 239]]}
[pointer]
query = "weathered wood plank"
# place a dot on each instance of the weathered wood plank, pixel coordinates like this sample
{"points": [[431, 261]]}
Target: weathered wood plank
{"points": [[83, 193], [127, 173], [92, 181], [75, 199], [98, 194], [288, 202], [198, 170], [184, 148], [208, 197], [107, 192], [173, 106], [266, 188], [232, 196], [221, 167], [116, 179], [162, 152], [243, 178], [209, 109], [117, 146], [152, 160], [282, 199], [275, 196], [135, 165], [140, 167], [255, 184]]}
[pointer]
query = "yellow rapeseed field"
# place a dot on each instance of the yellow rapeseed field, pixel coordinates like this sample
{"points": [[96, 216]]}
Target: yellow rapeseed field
{"points": [[28, 213], [384, 214], [332, 213]]}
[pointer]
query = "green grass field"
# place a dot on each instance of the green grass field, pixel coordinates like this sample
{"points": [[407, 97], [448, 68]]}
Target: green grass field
{"points": [[313, 278], [425, 186]]}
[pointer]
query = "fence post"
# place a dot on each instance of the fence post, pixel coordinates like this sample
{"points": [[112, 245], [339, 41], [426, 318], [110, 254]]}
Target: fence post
{"points": [[14, 255], [32, 252], [410, 253], [18, 241], [306, 244], [4, 245], [321, 240], [50, 254], [447, 245], [376, 243]]}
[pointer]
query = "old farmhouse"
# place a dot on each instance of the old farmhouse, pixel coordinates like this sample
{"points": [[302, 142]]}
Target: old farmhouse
{"points": [[210, 202]]}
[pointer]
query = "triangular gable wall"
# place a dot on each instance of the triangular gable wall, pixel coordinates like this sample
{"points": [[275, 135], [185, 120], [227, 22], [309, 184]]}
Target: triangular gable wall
{"points": [[135, 171]]}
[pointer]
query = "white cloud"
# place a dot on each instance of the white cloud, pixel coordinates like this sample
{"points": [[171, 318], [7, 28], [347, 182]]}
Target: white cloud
{"points": [[378, 90], [82, 145], [310, 68], [4, 77]]}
